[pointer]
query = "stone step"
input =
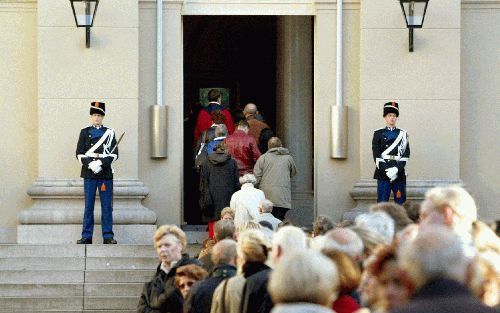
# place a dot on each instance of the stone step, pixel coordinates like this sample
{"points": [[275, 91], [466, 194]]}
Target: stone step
{"points": [[111, 303], [41, 277], [23, 304], [118, 276], [41, 251], [117, 263], [113, 289], [121, 250], [42, 263], [71, 290], [68, 234], [41, 290]]}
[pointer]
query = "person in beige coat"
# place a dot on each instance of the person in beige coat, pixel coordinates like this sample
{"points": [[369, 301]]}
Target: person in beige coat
{"points": [[274, 170], [252, 254]]}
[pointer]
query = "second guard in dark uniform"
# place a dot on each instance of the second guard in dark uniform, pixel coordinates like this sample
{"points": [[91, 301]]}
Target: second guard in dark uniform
{"points": [[391, 151], [96, 151]]}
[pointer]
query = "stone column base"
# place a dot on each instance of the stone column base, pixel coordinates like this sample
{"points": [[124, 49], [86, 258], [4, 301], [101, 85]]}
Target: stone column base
{"points": [[364, 193], [302, 212], [57, 214]]}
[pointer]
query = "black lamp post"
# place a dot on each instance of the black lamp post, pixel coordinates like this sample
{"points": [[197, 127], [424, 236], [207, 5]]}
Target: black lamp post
{"points": [[414, 12], [84, 13]]}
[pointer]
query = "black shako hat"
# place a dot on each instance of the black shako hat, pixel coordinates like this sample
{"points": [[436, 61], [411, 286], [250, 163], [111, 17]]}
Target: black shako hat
{"points": [[98, 108], [391, 107]]}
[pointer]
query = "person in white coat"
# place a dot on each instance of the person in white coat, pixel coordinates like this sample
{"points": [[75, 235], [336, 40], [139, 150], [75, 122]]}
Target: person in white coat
{"points": [[246, 201]]}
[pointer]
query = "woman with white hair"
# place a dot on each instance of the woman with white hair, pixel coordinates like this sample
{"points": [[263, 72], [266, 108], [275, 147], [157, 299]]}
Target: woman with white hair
{"points": [[304, 282], [246, 201]]}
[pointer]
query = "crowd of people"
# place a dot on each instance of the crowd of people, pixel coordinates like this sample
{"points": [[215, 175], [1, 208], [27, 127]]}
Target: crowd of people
{"points": [[236, 170], [434, 256], [442, 259]]}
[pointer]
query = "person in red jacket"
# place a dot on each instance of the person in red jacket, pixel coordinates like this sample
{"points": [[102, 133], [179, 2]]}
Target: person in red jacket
{"points": [[204, 120], [243, 148]]}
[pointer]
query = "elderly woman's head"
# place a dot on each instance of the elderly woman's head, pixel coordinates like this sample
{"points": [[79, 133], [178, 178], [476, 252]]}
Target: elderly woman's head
{"points": [[186, 276], [252, 246], [169, 242], [248, 179], [305, 276]]}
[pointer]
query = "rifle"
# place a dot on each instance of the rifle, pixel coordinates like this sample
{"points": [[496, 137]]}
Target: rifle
{"points": [[116, 145]]}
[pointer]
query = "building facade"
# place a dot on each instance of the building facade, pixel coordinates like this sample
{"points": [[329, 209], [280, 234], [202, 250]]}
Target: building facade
{"points": [[447, 90]]}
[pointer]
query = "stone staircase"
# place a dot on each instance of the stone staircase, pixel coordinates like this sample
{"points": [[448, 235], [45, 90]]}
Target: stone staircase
{"points": [[73, 278]]}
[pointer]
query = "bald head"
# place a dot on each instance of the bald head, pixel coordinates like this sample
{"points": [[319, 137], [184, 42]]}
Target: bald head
{"points": [[250, 108], [224, 252], [344, 240]]}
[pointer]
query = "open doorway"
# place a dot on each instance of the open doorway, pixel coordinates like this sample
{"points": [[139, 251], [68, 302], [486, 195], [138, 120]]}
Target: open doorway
{"points": [[233, 52]]}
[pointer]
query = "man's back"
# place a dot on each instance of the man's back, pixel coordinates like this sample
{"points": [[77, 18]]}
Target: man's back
{"points": [[204, 121], [256, 127], [444, 296], [273, 172], [200, 297]]}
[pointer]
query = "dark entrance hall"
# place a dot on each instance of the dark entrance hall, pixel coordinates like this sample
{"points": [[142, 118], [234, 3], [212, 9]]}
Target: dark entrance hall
{"points": [[233, 52]]}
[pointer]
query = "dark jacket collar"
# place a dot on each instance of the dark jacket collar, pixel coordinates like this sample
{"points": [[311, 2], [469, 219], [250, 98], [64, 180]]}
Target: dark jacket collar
{"points": [[223, 270], [213, 106], [441, 287], [250, 268]]}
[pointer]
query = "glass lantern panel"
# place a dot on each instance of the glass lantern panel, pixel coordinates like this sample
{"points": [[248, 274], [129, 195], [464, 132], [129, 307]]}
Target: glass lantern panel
{"points": [[84, 11], [414, 12]]}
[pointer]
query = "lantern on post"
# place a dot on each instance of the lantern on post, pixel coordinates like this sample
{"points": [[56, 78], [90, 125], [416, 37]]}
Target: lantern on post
{"points": [[84, 13], [414, 13]]}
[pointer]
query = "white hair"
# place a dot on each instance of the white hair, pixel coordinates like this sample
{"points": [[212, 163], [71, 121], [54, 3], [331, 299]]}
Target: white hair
{"points": [[317, 243], [290, 239], [379, 222], [343, 240], [305, 276], [266, 205], [459, 200], [436, 252], [248, 178]]}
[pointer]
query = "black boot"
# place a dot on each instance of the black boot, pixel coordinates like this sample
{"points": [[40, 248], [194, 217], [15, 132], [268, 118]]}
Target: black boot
{"points": [[84, 241], [109, 241]]}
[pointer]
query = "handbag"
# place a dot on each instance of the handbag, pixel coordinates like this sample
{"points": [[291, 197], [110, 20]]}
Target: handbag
{"points": [[202, 154]]}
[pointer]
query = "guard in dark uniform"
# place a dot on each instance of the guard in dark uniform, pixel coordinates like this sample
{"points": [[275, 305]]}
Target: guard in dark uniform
{"points": [[96, 151], [391, 151]]}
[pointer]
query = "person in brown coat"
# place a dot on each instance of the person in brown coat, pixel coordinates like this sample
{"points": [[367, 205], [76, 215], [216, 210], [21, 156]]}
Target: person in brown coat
{"points": [[255, 126]]}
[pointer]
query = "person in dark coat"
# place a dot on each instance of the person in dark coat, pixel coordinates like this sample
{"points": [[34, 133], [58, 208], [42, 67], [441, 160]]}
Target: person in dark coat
{"points": [[160, 295], [96, 151], [219, 179], [437, 265], [223, 255], [391, 152]]}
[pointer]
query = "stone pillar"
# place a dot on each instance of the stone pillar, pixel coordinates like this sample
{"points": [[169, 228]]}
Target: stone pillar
{"points": [[173, 97], [70, 76], [294, 114], [425, 83]]}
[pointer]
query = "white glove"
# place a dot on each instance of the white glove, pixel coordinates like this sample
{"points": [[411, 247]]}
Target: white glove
{"points": [[95, 166], [392, 173], [393, 178]]}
